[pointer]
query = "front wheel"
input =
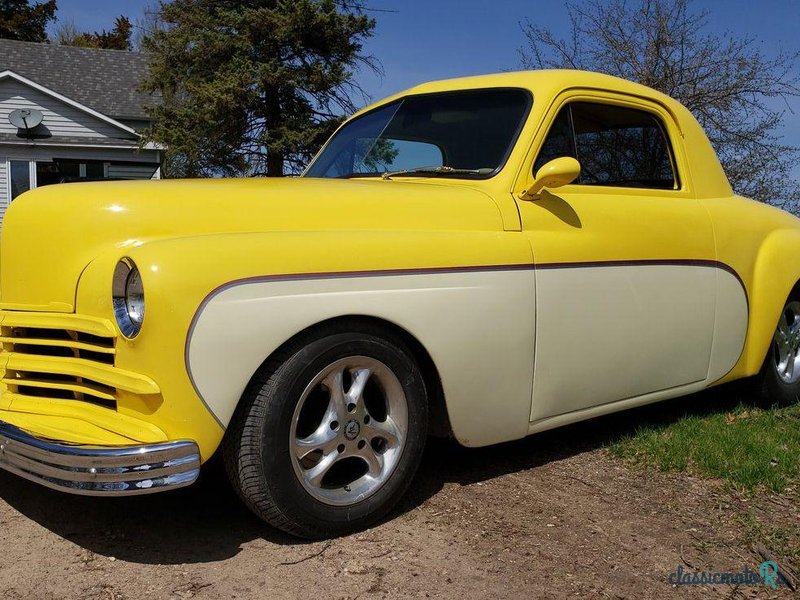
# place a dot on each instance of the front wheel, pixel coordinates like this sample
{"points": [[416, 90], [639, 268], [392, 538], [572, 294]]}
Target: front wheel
{"points": [[330, 434], [780, 375]]}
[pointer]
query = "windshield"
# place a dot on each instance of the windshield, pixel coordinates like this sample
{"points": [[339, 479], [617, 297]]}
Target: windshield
{"points": [[471, 132]]}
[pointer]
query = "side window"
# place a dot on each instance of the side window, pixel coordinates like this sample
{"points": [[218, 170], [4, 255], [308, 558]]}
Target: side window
{"points": [[560, 140], [616, 146]]}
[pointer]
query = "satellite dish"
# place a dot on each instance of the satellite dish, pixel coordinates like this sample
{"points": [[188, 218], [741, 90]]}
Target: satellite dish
{"points": [[25, 118]]}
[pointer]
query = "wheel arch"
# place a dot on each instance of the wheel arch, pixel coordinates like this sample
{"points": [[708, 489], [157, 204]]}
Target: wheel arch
{"points": [[439, 422]]}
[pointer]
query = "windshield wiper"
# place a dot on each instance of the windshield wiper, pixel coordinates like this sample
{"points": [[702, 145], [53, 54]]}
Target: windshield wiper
{"points": [[437, 171]]}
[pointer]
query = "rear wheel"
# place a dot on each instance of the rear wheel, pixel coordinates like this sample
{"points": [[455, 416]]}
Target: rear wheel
{"points": [[330, 434], [780, 375]]}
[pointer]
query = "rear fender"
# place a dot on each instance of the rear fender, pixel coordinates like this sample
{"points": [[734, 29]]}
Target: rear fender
{"points": [[776, 273]]}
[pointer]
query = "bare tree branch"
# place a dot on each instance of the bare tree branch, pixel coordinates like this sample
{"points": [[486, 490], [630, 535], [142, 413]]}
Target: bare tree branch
{"points": [[728, 83]]}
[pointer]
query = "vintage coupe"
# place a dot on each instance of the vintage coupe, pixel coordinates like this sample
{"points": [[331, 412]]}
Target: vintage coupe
{"points": [[485, 258]]}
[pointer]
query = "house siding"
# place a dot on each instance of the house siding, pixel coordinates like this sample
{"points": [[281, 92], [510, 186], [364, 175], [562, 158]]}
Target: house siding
{"points": [[71, 130], [4, 199], [60, 119]]}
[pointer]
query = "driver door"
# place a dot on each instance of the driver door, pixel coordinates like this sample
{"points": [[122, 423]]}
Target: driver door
{"points": [[625, 271]]}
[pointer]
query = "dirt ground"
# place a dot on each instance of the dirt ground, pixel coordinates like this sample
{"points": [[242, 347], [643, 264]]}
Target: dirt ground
{"points": [[552, 516]]}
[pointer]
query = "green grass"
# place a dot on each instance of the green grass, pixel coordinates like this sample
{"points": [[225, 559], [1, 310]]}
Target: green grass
{"points": [[784, 541], [749, 447]]}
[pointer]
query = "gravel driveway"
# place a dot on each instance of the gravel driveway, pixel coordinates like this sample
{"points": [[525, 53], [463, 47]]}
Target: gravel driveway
{"points": [[551, 516]]}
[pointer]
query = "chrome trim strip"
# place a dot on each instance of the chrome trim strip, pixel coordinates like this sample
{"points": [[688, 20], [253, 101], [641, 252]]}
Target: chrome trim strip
{"points": [[99, 470]]}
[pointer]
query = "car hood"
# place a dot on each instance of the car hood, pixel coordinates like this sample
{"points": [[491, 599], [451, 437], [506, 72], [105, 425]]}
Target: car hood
{"points": [[51, 234]]}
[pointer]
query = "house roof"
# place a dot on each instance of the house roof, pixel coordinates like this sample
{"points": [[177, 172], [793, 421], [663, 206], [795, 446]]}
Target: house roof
{"points": [[104, 80]]}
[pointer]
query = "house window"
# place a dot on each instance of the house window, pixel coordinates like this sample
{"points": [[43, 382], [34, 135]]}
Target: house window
{"points": [[47, 173], [66, 171], [20, 177], [59, 171], [25, 175], [95, 170], [88, 170]]}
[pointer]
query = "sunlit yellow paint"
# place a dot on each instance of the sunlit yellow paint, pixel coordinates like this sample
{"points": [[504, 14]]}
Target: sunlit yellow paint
{"points": [[60, 245], [82, 424]]}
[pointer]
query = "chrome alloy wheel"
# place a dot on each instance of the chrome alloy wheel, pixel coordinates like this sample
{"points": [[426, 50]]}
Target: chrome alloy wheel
{"points": [[349, 430], [787, 344]]}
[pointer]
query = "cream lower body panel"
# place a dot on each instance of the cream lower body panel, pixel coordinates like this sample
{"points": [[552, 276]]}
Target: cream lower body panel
{"points": [[731, 319], [646, 333], [592, 412], [478, 328], [611, 336]]}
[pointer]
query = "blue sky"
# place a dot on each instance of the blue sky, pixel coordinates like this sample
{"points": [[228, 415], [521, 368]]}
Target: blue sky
{"points": [[422, 40]]}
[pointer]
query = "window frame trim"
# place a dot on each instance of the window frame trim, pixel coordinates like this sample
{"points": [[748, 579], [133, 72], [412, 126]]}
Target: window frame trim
{"points": [[664, 116]]}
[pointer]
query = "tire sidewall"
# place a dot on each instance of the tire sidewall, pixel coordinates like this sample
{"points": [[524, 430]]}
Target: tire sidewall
{"points": [[289, 383], [776, 390]]}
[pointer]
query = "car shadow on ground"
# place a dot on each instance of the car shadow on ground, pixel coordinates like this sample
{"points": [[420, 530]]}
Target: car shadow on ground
{"points": [[206, 522]]}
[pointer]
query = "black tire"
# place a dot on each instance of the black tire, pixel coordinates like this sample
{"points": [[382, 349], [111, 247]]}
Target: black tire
{"points": [[772, 384], [257, 448]]}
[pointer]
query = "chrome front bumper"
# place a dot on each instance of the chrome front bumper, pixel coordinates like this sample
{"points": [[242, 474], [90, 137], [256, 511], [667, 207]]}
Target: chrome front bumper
{"points": [[98, 470]]}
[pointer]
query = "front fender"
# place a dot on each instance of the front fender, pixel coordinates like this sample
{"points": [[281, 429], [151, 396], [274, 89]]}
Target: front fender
{"points": [[156, 352], [217, 306]]}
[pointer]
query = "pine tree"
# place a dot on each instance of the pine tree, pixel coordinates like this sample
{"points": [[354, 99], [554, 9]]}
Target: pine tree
{"points": [[252, 87], [118, 38], [21, 21]]}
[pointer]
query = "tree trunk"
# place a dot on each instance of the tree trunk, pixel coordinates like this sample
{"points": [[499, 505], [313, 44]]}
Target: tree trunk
{"points": [[274, 164], [273, 114]]}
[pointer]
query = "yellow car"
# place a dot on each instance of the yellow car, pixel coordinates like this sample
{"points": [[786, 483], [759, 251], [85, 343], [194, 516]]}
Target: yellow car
{"points": [[484, 258]]}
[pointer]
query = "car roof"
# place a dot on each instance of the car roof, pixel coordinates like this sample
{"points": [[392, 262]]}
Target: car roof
{"points": [[546, 84], [544, 81]]}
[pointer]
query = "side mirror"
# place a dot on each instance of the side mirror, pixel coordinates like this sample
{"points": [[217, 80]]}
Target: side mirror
{"points": [[553, 174]]}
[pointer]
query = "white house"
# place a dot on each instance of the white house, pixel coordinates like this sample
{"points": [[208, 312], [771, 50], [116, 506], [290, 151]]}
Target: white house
{"points": [[90, 109]]}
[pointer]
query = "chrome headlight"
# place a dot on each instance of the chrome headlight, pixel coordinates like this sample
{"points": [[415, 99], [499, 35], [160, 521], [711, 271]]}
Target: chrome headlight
{"points": [[128, 297]]}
